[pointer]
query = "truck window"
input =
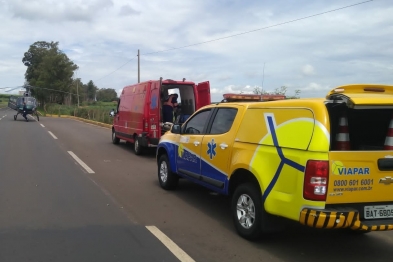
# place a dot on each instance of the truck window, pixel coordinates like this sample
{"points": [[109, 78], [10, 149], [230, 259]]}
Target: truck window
{"points": [[223, 120], [197, 123]]}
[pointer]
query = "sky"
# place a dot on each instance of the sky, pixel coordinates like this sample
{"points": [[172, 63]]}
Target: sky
{"points": [[236, 45]]}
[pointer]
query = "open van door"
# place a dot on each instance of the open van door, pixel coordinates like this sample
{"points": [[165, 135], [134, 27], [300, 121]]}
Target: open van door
{"points": [[202, 95], [361, 157]]}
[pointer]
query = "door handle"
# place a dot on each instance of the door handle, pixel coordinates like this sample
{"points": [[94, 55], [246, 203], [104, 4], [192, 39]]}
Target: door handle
{"points": [[196, 143], [223, 145]]}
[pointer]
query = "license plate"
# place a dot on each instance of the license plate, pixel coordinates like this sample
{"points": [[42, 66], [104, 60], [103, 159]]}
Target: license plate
{"points": [[372, 212], [152, 127]]}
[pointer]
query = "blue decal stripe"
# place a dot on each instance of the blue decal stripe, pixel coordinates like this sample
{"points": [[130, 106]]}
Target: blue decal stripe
{"points": [[272, 131], [273, 182], [294, 164], [284, 160]]}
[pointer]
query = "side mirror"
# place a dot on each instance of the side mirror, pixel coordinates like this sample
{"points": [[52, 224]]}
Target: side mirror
{"points": [[176, 129], [112, 113], [166, 126]]}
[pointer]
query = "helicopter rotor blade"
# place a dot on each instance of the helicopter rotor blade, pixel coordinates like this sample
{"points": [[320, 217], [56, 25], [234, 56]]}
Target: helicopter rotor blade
{"points": [[9, 90]]}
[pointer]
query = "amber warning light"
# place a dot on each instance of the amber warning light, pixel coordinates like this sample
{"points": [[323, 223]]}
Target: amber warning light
{"points": [[251, 97]]}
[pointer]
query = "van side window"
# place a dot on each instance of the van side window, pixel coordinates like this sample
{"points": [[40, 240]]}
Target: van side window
{"points": [[223, 120], [197, 123]]}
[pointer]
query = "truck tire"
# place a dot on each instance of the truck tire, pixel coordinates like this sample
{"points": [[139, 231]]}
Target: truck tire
{"points": [[247, 211], [168, 180], [138, 149], [115, 139]]}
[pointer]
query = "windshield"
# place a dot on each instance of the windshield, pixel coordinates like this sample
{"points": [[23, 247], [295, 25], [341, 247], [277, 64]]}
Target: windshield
{"points": [[30, 101]]}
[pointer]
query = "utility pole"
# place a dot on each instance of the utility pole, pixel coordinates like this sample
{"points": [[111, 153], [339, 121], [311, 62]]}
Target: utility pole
{"points": [[77, 90], [263, 74], [139, 72]]}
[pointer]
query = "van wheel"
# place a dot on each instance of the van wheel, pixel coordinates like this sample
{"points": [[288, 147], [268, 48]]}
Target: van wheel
{"points": [[168, 180], [247, 211], [137, 147], [115, 139]]}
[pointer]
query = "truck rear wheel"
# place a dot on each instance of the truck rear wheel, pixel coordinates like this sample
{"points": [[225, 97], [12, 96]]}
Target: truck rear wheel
{"points": [[115, 139], [247, 211], [138, 149], [168, 180]]}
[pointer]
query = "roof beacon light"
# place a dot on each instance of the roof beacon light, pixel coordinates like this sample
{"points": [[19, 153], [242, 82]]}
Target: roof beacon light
{"points": [[251, 97]]}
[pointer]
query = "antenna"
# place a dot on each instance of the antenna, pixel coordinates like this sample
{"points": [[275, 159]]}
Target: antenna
{"points": [[263, 75]]}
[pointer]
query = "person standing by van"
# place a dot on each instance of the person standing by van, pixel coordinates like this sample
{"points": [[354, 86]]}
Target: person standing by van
{"points": [[169, 105]]}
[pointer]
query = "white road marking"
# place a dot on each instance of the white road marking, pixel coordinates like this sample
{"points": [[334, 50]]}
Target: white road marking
{"points": [[80, 162], [175, 249], [52, 134], [42, 125]]}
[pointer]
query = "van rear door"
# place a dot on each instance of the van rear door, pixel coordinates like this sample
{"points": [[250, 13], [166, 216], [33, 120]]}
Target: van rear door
{"points": [[154, 115], [202, 94], [360, 158]]}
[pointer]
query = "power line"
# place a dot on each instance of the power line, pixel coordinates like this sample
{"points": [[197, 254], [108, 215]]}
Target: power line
{"points": [[116, 69], [259, 29], [53, 90], [239, 34]]}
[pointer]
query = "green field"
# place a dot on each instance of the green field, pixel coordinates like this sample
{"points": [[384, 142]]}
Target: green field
{"points": [[4, 100], [96, 111]]}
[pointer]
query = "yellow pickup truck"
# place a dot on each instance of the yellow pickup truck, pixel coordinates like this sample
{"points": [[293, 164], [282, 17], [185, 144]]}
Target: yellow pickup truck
{"points": [[324, 162]]}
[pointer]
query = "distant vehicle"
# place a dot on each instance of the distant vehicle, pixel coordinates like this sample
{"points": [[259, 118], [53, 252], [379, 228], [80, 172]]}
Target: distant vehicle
{"points": [[16, 103], [139, 115], [323, 162]]}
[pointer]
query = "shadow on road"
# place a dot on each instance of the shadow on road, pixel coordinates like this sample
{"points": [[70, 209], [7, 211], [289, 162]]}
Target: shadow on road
{"points": [[148, 153], [295, 242]]}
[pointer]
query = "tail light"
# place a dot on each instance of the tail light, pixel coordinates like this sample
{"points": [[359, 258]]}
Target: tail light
{"points": [[145, 125], [316, 178]]}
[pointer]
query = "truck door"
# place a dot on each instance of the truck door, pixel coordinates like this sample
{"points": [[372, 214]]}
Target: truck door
{"points": [[188, 158], [217, 148], [202, 94]]}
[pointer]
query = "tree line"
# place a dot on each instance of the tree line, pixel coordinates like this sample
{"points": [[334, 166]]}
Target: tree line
{"points": [[51, 76], [278, 91]]}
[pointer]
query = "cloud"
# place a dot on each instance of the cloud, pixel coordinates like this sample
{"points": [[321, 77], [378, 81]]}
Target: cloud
{"points": [[308, 70], [127, 10], [58, 11], [348, 46]]}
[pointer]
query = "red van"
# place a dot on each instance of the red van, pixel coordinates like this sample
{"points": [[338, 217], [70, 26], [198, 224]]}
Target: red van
{"points": [[138, 118]]}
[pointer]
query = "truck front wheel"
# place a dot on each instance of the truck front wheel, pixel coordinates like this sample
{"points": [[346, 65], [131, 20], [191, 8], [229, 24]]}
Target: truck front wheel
{"points": [[247, 211], [168, 180]]}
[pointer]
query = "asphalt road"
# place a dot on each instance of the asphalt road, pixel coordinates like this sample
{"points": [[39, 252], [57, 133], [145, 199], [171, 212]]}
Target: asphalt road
{"points": [[52, 209]]}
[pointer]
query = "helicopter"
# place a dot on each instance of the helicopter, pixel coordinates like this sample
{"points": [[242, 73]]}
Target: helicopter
{"points": [[16, 103]]}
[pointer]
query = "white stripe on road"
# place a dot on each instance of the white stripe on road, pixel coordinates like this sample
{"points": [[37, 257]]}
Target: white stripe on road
{"points": [[52, 134], [175, 249], [80, 162], [42, 125]]}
